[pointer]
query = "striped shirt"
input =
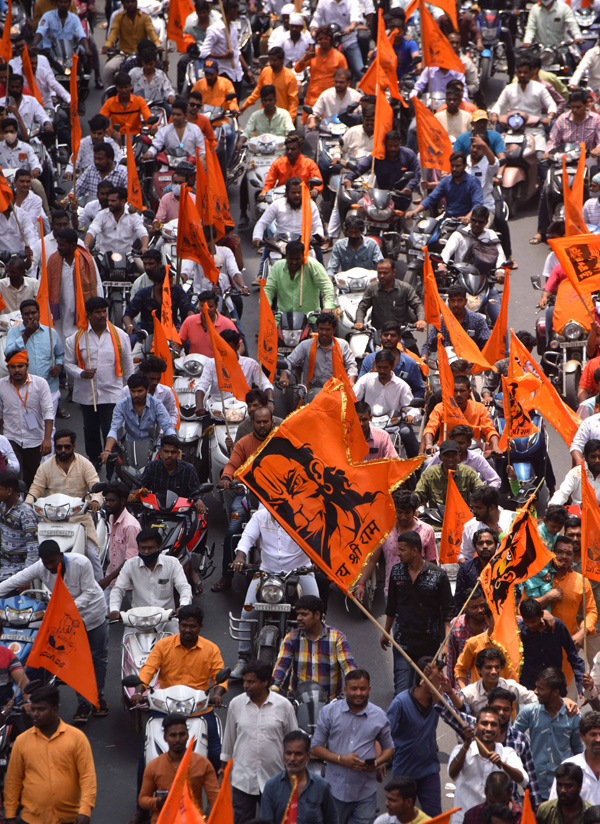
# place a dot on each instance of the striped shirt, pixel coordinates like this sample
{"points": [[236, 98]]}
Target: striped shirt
{"points": [[18, 539], [565, 130]]}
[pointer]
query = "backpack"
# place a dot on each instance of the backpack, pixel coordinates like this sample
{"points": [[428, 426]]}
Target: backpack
{"points": [[482, 253]]}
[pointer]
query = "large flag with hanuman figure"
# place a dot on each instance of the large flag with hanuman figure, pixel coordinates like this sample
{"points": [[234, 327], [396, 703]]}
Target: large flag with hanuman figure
{"points": [[311, 476]]}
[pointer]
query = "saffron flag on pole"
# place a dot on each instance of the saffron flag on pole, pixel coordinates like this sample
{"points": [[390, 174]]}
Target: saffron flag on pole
{"points": [[306, 228], [579, 255], [43, 294], [61, 645], [496, 346], [528, 815], [518, 424], [337, 509], [217, 192], [384, 121], [75, 124], [452, 416], [134, 190], [178, 11], [571, 305], [191, 242], [573, 196], [434, 143], [590, 529], [29, 75], [437, 50], [444, 818], [166, 311], [160, 347], [431, 297], [5, 42], [82, 321], [449, 7], [6, 193], [382, 71], [456, 515], [222, 809], [463, 345], [227, 366], [179, 808], [267, 336], [290, 816]]}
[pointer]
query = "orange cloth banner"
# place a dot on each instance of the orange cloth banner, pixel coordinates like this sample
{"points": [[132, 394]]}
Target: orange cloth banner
{"points": [[178, 11], [436, 47], [435, 147], [166, 311], [452, 414], [463, 345], [5, 42], [229, 372], [82, 321], [191, 243], [573, 197], [267, 335], [456, 515], [180, 807], [6, 193], [496, 346], [160, 347], [134, 190], [517, 422], [590, 529], [29, 75], [222, 809], [384, 121], [571, 306], [579, 256], [43, 295]]}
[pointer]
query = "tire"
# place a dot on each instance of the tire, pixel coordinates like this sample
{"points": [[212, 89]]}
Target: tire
{"points": [[116, 312], [572, 384], [485, 72], [267, 646], [266, 654], [509, 196]]}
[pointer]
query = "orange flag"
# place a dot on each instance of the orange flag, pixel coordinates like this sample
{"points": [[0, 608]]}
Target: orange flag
{"points": [[573, 196], [229, 372], [178, 11], [134, 190], [452, 414], [579, 256], [590, 528], [191, 243], [456, 515], [267, 336], [222, 809], [43, 295], [496, 346], [166, 311], [384, 121], [6, 193], [30, 77], [180, 808], [217, 191], [571, 305], [160, 347], [517, 424], [338, 510], [61, 645], [444, 818], [75, 124], [5, 43], [290, 816], [463, 345], [449, 7], [379, 72], [82, 321], [435, 147], [202, 204], [306, 234], [437, 50], [528, 815]]}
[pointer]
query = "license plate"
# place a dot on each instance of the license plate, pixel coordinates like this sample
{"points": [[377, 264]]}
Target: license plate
{"points": [[62, 78], [570, 344], [515, 138], [273, 607], [20, 639]]}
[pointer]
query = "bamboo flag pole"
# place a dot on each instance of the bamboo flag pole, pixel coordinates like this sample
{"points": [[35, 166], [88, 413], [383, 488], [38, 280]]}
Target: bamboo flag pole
{"points": [[227, 35], [87, 346], [585, 658], [14, 211], [452, 623]]}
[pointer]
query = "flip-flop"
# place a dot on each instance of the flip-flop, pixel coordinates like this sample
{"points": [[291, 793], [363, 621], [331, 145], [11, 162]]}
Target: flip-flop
{"points": [[221, 585], [536, 240]]}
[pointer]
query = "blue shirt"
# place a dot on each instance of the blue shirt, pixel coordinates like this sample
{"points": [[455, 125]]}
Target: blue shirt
{"points": [[341, 730], [407, 368], [344, 257], [474, 324], [414, 731], [404, 52], [552, 740], [545, 649], [39, 351], [315, 802], [136, 428], [463, 142], [460, 197], [51, 28]]}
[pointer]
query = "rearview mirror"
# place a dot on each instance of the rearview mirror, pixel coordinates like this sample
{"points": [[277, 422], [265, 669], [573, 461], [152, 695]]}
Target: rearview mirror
{"points": [[132, 681], [223, 675]]}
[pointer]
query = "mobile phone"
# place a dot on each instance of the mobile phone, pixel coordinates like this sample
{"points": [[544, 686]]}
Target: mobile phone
{"points": [[161, 793], [369, 762]]}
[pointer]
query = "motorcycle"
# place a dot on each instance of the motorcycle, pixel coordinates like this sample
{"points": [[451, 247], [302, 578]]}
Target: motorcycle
{"points": [[493, 57], [520, 173], [176, 699], [132, 457], [277, 244], [61, 55], [478, 284], [21, 617], [350, 288], [589, 28], [430, 232], [262, 151], [232, 411], [54, 513], [185, 384], [554, 179], [118, 273]]}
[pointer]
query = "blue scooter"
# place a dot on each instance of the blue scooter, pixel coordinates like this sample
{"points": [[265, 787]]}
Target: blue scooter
{"points": [[21, 618]]}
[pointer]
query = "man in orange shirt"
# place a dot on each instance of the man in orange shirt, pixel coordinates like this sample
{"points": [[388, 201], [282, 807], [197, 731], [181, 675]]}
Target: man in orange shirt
{"points": [[284, 80], [215, 89], [292, 164], [194, 116], [475, 414], [322, 62], [125, 111]]}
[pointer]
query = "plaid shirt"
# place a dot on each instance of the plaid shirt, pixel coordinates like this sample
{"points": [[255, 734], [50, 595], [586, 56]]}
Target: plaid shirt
{"points": [[565, 130], [515, 739], [475, 814], [184, 481], [326, 661], [89, 181], [460, 634]]}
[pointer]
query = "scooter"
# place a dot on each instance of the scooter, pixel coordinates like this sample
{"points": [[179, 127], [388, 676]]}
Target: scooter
{"points": [[519, 173], [350, 288], [54, 513], [185, 384], [493, 57], [478, 284], [21, 617], [430, 232], [589, 28], [177, 699], [232, 411], [132, 457], [262, 151]]}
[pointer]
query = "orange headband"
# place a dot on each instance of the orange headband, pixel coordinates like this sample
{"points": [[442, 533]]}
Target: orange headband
{"points": [[19, 357]]}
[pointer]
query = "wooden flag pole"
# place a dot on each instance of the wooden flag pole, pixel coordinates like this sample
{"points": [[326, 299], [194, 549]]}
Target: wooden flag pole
{"points": [[227, 36], [584, 579], [14, 211], [41, 225], [87, 345], [453, 622], [301, 284]]}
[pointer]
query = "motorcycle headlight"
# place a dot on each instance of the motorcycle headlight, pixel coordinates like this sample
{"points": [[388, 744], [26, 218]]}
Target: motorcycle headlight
{"points": [[56, 513], [272, 591], [160, 705], [145, 620], [186, 707], [235, 415], [18, 616], [291, 337], [342, 282], [420, 239], [358, 285], [378, 214], [573, 331], [474, 303], [193, 367]]}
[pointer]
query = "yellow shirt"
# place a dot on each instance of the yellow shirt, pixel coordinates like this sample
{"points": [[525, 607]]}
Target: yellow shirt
{"points": [[129, 32], [572, 601], [195, 667], [53, 778], [466, 660], [286, 88]]}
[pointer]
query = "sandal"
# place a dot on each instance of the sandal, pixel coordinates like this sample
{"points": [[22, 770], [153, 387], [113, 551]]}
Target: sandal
{"points": [[536, 239], [82, 714], [222, 584], [515, 265]]}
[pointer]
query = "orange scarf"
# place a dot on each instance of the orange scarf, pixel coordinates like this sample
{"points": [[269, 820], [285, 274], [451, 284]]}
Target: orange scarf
{"points": [[337, 361], [116, 341]]}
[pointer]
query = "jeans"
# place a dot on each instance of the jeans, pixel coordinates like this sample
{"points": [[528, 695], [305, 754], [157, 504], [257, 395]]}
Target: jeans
{"points": [[230, 140], [244, 806], [236, 523], [96, 426], [355, 62], [404, 674], [429, 793], [493, 306], [410, 441], [357, 812], [98, 638]]}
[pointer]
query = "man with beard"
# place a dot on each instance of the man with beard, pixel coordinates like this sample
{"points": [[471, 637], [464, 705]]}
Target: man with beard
{"points": [[70, 474], [485, 542], [568, 804], [114, 229]]}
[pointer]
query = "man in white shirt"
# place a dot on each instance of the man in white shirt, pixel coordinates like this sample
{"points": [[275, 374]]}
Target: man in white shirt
{"points": [[588, 760], [570, 488], [15, 288], [347, 14], [78, 577], [85, 216], [294, 41], [15, 153], [230, 61], [48, 85], [278, 553], [455, 120], [114, 229], [590, 66], [14, 223], [382, 388], [489, 664], [30, 111], [257, 722], [469, 769], [488, 515], [100, 130], [333, 101], [28, 200], [483, 164], [179, 134], [589, 429], [59, 220]]}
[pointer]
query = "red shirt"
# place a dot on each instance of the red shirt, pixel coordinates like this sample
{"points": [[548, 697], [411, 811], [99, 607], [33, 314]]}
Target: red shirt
{"points": [[191, 329]]}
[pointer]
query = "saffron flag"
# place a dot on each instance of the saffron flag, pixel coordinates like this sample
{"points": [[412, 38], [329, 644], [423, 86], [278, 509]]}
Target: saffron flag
{"points": [[590, 529], [435, 147], [423, 366], [496, 346], [456, 515], [452, 415], [528, 815], [579, 256], [180, 808], [191, 243], [573, 196], [166, 311], [202, 204], [463, 345], [306, 230], [384, 121], [134, 190], [29, 75], [444, 818], [222, 809], [160, 347], [449, 7], [437, 50], [337, 509], [431, 297], [377, 75], [43, 295], [82, 321], [267, 336], [178, 11], [387, 61], [571, 306], [75, 124], [5, 42], [517, 424], [6, 193], [61, 645], [229, 372], [217, 193]]}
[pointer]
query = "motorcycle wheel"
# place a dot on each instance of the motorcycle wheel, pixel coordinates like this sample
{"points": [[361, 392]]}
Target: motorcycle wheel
{"points": [[572, 384], [116, 313], [369, 597], [267, 652], [485, 72], [510, 198]]}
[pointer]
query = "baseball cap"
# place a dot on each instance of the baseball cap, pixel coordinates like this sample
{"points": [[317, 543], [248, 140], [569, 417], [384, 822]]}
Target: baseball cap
{"points": [[296, 19], [479, 114], [211, 66], [449, 446]]}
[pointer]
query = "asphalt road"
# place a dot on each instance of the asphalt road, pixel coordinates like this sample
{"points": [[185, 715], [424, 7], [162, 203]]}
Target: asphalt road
{"points": [[115, 744]]}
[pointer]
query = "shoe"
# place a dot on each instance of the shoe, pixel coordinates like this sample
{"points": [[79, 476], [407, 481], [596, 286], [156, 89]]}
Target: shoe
{"points": [[236, 673], [61, 412], [82, 714], [243, 222], [101, 709], [99, 84]]}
